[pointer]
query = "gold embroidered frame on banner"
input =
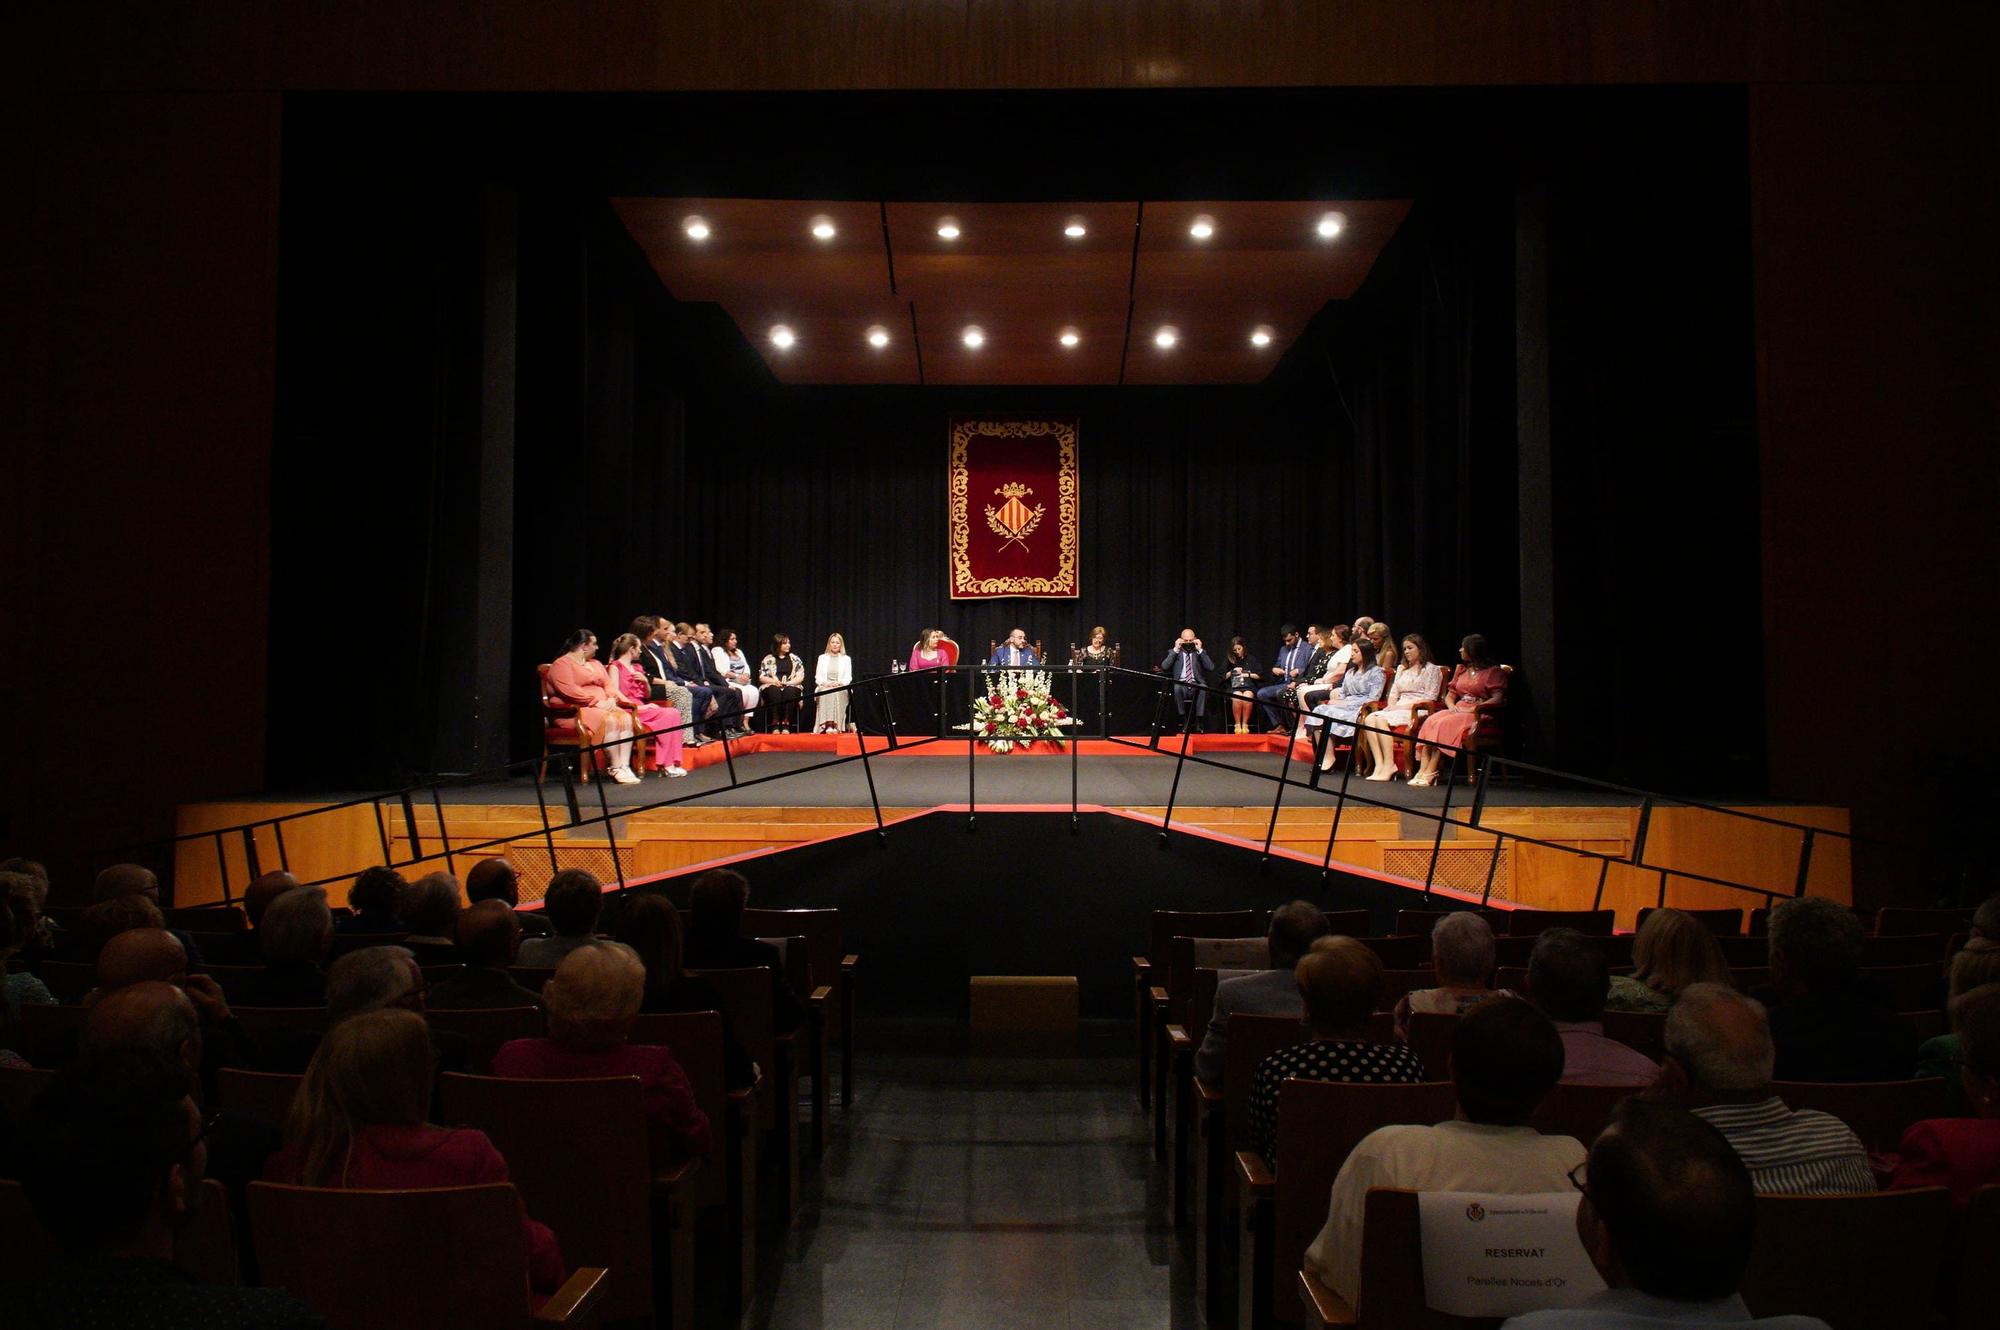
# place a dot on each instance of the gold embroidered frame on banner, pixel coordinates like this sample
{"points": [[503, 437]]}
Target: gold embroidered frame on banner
{"points": [[964, 584]]}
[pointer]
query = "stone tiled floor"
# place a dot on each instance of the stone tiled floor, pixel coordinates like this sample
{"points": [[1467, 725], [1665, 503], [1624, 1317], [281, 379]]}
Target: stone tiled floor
{"points": [[974, 1193]]}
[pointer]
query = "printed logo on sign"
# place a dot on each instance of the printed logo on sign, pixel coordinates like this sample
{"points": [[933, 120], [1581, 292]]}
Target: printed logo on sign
{"points": [[1475, 1212]]}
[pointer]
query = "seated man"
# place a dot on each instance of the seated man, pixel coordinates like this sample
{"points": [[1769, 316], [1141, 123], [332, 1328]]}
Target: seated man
{"points": [[691, 668], [1462, 955], [489, 936], [1189, 667], [1719, 1060], [113, 1160], [374, 897], [1827, 1024], [264, 889], [715, 941], [1273, 992], [1667, 1216], [1569, 980], [294, 938], [1288, 667], [1505, 1058], [572, 903], [430, 910], [152, 959], [1015, 653], [497, 880], [1339, 980]]}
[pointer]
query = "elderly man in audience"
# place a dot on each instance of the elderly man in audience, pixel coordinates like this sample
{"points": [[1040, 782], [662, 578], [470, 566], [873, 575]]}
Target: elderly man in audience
{"points": [[105, 920], [497, 879], [1569, 980], [1339, 980], [430, 911], [374, 897], [294, 938], [573, 901], [122, 882], [1962, 1153], [1462, 955], [1505, 1058], [1273, 992], [489, 937], [1719, 1061], [113, 1160], [1668, 1216], [1986, 919], [152, 958], [715, 940], [592, 999], [1828, 1025], [263, 889]]}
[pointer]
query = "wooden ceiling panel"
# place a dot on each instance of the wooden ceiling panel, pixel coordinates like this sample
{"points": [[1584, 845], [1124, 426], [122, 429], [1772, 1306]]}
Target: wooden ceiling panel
{"points": [[1022, 344]]}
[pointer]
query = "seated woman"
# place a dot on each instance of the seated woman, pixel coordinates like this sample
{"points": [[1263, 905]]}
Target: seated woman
{"points": [[1478, 691], [734, 667], [592, 998], [929, 652], [1323, 673], [577, 680], [1462, 954], [1096, 652], [1673, 950], [1241, 675], [628, 678], [834, 671], [782, 680], [652, 928], [1962, 1153], [1360, 684], [1976, 965], [361, 1121], [1418, 679]]}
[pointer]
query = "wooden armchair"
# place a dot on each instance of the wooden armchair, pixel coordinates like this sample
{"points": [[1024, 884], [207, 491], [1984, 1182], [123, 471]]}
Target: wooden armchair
{"points": [[484, 1029], [1223, 1128], [1878, 1111], [560, 728], [993, 645], [1149, 972], [264, 1095], [831, 966], [1391, 1296], [1184, 955], [746, 1001], [1853, 1261], [312, 1241]]}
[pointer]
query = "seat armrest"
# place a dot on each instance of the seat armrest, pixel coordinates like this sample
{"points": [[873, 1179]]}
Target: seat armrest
{"points": [[675, 1175], [1206, 1096], [575, 1303], [1255, 1175], [1158, 995], [1323, 1306], [1178, 1039], [1141, 967], [818, 997], [847, 963]]}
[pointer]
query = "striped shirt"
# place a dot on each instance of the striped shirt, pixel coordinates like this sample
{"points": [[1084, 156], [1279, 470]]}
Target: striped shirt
{"points": [[1807, 1153]]}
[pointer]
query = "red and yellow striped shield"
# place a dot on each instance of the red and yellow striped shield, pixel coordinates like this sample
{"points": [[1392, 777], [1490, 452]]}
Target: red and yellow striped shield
{"points": [[1014, 515]]}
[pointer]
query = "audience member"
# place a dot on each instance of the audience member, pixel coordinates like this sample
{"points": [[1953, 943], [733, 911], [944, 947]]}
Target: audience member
{"points": [[592, 999], [1828, 1025], [295, 934], [1985, 919], [360, 1120], [1962, 1153], [652, 928], [25, 895], [20, 987], [489, 936], [1272, 992], [715, 940], [126, 880], [1505, 1058], [1569, 980], [1339, 980], [106, 919], [374, 899], [1673, 950], [1668, 1216], [263, 889], [572, 903], [1718, 1063], [497, 879], [1462, 955], [114, 1156], [371, 978], [430, 911], [1976, 965]]}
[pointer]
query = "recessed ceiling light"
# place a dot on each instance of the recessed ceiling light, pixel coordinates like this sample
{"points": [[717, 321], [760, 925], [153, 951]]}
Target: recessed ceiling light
{"points": [[1075, 230], [878, 337], [696, 228], [1261, 337], [1203, 227], [1069, 337], [947, 229], [1166, 337], [1330, 225], [822, 228], [973, 338], [781, 337]]}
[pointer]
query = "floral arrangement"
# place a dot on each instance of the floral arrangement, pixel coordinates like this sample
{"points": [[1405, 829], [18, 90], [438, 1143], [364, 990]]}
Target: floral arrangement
{"points": [[1017, 709]]}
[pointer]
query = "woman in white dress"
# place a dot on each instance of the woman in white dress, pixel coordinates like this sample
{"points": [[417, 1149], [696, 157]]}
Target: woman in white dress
{"points": [[1418, 679], [835, 669], [735, 667]]}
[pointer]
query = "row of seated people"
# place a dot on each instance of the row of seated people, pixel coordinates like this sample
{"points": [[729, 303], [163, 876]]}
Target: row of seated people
{"points": [[1723, 1051]]}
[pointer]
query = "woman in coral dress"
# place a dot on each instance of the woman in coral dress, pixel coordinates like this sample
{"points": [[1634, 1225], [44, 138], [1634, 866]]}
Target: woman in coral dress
{"points": [[577, 680], [1478, 690], [662, 722]]}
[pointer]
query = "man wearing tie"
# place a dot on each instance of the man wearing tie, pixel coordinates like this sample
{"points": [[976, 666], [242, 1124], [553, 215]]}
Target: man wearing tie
{"points": [[1294, 653], [1015, 653], [1189, 667]]}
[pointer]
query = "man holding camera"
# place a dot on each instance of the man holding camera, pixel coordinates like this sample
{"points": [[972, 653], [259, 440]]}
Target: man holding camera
{"points": [[1189, 667]]}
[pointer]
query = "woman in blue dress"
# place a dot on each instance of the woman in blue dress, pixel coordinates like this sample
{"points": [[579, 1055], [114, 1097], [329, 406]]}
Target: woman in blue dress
{"points": [[1359, 685]]}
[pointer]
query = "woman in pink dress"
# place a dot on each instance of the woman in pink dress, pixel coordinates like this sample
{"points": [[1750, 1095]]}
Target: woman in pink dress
{"points": [[928, 653], [1418, 679], [662, 722], [577, 680], [1478, 690]]}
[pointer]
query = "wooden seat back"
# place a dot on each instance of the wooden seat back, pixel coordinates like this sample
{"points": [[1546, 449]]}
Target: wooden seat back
{"points": [[1745, 951], [18, 1088], [1581, 1111], [346, 942], [228, 975], [68, 981], [205, 1250], [264, 1095], [1400, 953], [1878, 1111], [577, 1151], [695, 1040], [1924, 1024], [1908, 987], [49, 1034], [1750, 978], [224, 948], [1391, 1293], [1853, 1261], [1532, 923], [1430, 1040], [794, 960], [207, 918], [1722, 923], [1905, 949], [1396, 983], [1421, 922], [531, 977], [1251, 1040], [484, 1029], [1185, 953], [261, 1021], [1892, 920], [1643, 1030], [820, 927], [1169, 924], [746, 1005], [314, 1242], [1319, 1124], [1350, 923]]}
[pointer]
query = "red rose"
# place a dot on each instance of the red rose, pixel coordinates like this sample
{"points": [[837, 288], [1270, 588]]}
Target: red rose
{"points": [[995, 699], [990, 727], [1020, 694], [1060, 713]]}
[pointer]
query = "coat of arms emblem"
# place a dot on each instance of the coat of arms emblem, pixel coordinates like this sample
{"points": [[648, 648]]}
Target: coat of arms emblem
{"points": [[1014, 519]]}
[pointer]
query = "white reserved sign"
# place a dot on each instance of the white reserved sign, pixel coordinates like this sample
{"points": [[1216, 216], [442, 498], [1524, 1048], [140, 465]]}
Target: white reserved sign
{"points": [[1487, 1254]]}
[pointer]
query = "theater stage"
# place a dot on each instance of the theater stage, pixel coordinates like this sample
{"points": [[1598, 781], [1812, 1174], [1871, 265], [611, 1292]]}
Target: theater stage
{"points": [[1386, 829]]}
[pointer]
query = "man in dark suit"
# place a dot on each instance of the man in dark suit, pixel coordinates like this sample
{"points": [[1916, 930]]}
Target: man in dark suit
{"points": [[1288, 667], [715, 940], [1189, 667], [1272, 992], [728, 702], [655, 634], [489, 937], [1015, 653], [497, 880], [688, 661]]}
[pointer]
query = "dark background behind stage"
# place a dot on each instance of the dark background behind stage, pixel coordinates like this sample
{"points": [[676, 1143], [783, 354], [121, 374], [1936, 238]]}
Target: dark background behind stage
{"points": [[495, 426]]}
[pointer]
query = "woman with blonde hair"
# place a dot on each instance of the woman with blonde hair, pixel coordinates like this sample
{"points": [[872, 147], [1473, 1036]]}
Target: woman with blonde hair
{"points": [[359, 1122], [831, 675], [1673, 950], [1976, 965]]}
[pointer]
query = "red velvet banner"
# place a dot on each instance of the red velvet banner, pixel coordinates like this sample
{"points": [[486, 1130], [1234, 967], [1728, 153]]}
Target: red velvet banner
{"points": [[1013, 508]]}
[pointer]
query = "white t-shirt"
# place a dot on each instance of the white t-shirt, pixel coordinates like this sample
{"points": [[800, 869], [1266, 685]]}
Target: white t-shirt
{"points": [[1452, 1156]]}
